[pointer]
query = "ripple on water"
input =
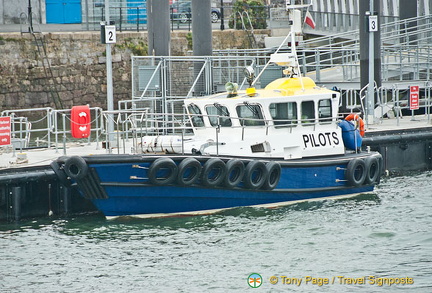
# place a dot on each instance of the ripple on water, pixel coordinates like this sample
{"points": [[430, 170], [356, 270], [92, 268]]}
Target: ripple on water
{"points": [[385, 234]]}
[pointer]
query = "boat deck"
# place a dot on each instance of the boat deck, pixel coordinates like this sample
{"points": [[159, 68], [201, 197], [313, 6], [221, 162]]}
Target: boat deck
{"points": [[44, 156]]}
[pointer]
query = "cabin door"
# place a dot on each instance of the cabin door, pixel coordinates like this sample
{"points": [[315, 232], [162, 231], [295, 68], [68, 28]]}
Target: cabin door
{"points": [[63, 11]]}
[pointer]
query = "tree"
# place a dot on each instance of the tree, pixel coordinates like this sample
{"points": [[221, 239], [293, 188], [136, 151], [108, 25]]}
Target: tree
{"points": [[256, 10]]}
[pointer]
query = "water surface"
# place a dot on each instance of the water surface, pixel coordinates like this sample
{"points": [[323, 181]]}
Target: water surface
{"points": [[387, 234]]}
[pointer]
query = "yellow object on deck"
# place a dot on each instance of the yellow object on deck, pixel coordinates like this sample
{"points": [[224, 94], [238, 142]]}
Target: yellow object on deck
{"points": [[291, 85], [250, 91]]}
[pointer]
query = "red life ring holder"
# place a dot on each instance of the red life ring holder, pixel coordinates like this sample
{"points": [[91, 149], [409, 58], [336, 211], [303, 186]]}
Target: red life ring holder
{"points": [[360, 123], [80, 121]]}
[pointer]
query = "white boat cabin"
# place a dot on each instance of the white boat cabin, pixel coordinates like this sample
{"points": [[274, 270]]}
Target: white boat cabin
{"points": [[290, 118]]}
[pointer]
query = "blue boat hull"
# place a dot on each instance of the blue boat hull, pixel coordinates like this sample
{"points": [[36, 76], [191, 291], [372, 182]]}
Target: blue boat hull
{"points": [[123, 185], [149, 201]]}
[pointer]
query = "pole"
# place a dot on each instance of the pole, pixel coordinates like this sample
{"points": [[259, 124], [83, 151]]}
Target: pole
{"points": [[30, 18], [222, 26], [110, 99], [370, 92]]}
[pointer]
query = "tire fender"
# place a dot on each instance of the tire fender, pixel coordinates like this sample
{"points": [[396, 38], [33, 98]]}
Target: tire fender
{"points": [[356, 172], [162, 171], [234, 174], [76, 168], [373, 170], [214, 172], [274, 171], [255, 175], [189, 170]]}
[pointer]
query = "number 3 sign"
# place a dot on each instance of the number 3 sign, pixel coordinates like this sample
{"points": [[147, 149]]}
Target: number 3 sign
{"points": [[373, 23], [110, 34]]}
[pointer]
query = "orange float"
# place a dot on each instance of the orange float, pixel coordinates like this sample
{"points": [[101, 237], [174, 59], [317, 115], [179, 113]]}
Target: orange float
{"points": [[80, 121], [360, 123]]}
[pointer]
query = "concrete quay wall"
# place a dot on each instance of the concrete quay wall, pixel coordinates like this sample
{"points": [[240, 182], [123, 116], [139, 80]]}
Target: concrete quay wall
{"points": [[77, 61]]}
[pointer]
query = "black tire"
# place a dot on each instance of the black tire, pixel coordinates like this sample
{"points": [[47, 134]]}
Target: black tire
{"points": [[60, 173], [214, 172], [189, 170], [162, 171], [373, 170], [356, 172], [255, 175], [274, 171], [234, 174], [183, 18], [214, 17], [76, 168]]}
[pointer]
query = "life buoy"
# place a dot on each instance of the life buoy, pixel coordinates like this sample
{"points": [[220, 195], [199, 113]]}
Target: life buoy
{"points": [[189, 170], [274, 171], [373, 170], [80, 121], [360, 123], [255, 175], [214, 172], [356, 172], [162, 171], [235, 173], [76, 168]]}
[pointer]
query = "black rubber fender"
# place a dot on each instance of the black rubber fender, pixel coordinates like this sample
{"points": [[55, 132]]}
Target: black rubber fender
{"points": [[76, 168], [189, 170], [60, 173], [356, 172], [274, 171], [373, 170], [169, 175], [234, 174], [214, 172], [255, 174]]}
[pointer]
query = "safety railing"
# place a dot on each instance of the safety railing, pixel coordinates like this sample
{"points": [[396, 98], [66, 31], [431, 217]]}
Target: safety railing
{"points": [[49, 128]]}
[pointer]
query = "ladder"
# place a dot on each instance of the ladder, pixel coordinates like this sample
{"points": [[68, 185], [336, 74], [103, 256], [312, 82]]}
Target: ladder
{"points": [[249, 31], [40, 43]]}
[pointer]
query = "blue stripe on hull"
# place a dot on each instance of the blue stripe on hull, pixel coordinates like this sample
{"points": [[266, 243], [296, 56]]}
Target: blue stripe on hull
{"points": [[134, 200]]}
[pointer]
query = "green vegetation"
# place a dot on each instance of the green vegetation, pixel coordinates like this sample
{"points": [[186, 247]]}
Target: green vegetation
{"points": [[189, 40], [138, 48], [254, 8]]}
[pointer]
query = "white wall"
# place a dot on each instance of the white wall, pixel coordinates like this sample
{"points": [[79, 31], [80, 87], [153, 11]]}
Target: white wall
{"points": [[10, 11]]}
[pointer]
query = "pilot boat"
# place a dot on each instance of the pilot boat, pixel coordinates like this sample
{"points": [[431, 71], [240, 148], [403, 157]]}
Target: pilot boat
{"points": [[266, 147]]}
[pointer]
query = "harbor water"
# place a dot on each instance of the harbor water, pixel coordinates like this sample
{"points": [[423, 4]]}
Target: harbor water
{"points": [[370, 243]]}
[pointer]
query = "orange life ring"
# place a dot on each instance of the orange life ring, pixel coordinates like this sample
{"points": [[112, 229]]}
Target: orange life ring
{"points": [[80, 121], [360, 123]]}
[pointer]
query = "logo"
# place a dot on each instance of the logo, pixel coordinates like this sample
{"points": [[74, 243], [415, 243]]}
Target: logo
{"points": [[254, 280]]}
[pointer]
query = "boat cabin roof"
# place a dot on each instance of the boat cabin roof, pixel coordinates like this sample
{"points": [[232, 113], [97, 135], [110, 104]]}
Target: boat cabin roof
{"points": [[282, 87]]}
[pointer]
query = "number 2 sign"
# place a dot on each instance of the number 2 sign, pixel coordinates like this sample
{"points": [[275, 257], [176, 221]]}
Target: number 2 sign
{"points": [[110, 34]]}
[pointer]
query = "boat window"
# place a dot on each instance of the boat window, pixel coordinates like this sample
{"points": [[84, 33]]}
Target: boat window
{"points": [[307, 112], [324, 110], [284, 113], [196, 115], [218, 115], [250, 115]]}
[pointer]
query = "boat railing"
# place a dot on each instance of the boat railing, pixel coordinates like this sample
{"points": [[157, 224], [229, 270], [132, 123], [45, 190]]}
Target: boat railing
{"points": [[136, 127]]}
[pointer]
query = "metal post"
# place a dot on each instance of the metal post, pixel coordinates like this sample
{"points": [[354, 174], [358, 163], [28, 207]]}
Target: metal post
{"points": [[222, 26], [370, 92], [30, 17], [110, 98]]}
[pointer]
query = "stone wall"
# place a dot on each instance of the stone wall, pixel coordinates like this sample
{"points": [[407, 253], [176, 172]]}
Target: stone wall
{"points": [[77, 61]]}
